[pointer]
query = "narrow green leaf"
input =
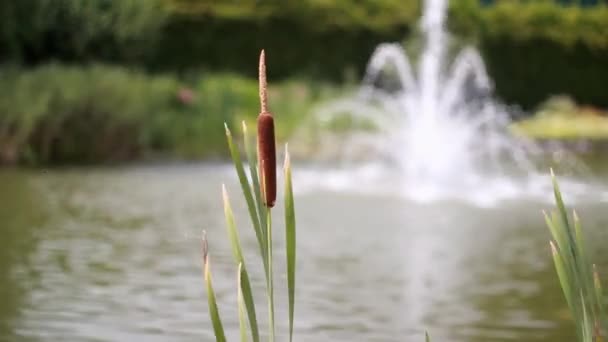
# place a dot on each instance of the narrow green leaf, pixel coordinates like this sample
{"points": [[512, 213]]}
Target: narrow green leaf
{"points": [[269, 280], [586, 328], [213, 309], [567, 248], [558, 200], [241, 304], [290, 240], [584, 266], [231, 227], [563, 277], [249, 304], [253, 171], [559, 236], [599, 297], [596, 282], [238, 164], [244, 284], [253, 162], [426, 336]]}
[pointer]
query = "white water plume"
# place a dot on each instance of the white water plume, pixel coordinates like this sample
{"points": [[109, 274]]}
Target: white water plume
{"points": [[436, 129]]}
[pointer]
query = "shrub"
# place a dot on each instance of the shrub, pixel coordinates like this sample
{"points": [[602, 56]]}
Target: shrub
{"points": [[535, 49], [34, 31], [66, 114]]}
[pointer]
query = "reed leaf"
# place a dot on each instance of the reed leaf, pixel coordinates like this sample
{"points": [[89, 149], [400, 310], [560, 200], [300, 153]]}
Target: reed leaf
{"points": [[558, 200], [241, 305], [578, 277], [562, 242], [269, 281], [252, 159], [244, 283], [238, 165], [584, 265], [216, 321], [427, 338], [290, 240], [586, 329], [562, 276], [599, 296]]}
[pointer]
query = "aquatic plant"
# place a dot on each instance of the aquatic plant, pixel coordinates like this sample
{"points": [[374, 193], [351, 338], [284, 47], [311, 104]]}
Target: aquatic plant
{"points": [[578, 278], [260, 195]]}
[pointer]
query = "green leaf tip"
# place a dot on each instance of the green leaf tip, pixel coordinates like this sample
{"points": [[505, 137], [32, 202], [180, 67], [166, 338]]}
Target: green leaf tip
{"points": [[553, 248], [287, 163], [228, 134], [224, 194], [204, 246], [216, 321]]}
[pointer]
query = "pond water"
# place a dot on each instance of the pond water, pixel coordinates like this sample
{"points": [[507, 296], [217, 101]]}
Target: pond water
{"points": [[114, 255]]}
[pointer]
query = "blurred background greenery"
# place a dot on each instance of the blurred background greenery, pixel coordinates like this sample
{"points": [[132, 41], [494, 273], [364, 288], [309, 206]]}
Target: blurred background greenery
{"points": [[89, 81]]}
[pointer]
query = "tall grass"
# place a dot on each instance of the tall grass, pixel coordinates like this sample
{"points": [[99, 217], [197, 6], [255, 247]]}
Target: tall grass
{"points": [[578, 278], [259, 190]]}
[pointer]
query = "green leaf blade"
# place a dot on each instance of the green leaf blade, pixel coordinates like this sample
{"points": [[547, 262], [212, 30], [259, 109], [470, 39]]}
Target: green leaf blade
{"points": [[216, 321], [241, 306], [563, 277], [238, 165], [290, 240], [252, 158], [244, 284]]}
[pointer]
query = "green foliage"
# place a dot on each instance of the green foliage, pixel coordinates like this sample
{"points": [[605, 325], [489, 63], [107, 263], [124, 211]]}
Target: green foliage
{"points": [[244, 285], [65, 114], [381, 15], [577, 276], [33, 31], [523, 42], [560, 118], [295, 48], [566, 26], [256, 205], [534, 49], [60, 114]]}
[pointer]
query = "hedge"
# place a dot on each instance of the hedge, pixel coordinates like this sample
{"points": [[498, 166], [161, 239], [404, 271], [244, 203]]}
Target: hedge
{"points": [[537, 49], [36, 31], [533, 49]]}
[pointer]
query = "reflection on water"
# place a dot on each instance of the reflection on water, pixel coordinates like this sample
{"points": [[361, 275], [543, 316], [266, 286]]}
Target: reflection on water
{"points": [[113, 255]]}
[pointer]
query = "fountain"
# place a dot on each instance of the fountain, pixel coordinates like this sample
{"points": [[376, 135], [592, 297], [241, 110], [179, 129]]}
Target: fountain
{"points": [[436, 129]]}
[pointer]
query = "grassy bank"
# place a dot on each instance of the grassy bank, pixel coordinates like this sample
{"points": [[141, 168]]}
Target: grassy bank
{"points": [[562, 119], [58, 114]]}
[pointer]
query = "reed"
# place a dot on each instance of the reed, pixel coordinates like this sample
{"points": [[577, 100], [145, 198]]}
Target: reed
{"points": [[259, 191], [578, 278]]}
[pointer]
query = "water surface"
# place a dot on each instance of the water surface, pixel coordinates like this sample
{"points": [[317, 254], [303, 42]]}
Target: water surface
{"points": [[114, 255]]}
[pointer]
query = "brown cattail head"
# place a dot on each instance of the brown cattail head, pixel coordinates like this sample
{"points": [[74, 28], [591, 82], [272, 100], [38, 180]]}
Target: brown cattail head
{"points": [[266, 143], [267, 156]]}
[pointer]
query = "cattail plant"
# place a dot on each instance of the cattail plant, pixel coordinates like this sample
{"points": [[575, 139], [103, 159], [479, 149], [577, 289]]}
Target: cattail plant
{"points": [[578, 278], [260, 195]]}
